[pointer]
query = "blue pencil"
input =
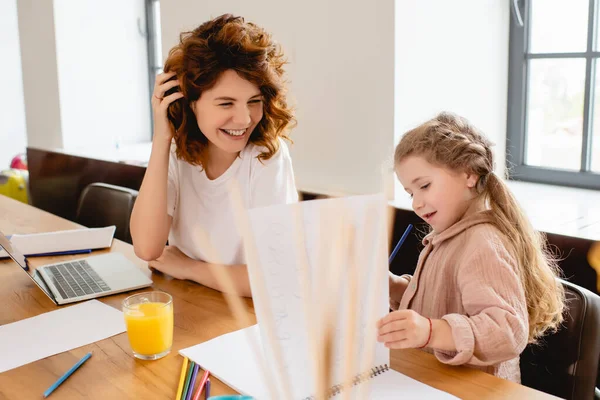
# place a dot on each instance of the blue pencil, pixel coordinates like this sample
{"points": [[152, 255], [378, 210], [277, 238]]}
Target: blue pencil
{"points": [[402, 239], [67, 374]]}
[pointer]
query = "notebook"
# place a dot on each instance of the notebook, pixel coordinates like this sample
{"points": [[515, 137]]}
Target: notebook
{"points": [[240, 370], [292, 252], [62, 241]]}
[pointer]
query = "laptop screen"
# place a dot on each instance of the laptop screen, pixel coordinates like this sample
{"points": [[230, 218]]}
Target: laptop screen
{"points": [[20, 259]]}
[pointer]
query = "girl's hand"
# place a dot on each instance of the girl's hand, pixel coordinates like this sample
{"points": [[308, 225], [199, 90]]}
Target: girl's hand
{"points": [[160, 103], [398, 286], [404, 329], [173, 262]]}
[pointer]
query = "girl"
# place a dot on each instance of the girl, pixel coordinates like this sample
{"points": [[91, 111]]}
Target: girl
{"points": [[484, 285], [220, 114]]}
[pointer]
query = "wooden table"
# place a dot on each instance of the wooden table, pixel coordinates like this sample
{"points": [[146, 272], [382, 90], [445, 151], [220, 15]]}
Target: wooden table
{"points": [[200, 314]]}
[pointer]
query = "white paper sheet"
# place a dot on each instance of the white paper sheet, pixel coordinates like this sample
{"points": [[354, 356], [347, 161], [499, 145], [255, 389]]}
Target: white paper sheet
{"points": [[230, 358], [57, 331], [51, 242]]}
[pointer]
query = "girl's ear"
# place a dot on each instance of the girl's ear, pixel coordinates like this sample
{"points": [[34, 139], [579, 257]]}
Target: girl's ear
{"points": [[472, 180]]}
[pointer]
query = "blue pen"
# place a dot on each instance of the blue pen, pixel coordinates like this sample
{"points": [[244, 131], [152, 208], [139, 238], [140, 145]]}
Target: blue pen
{"points": [[67, 374], [207, 391], [60, 253], [402, 239]]}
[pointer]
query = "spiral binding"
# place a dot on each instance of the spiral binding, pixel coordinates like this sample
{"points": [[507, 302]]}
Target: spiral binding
{"points": [[357, 380]]}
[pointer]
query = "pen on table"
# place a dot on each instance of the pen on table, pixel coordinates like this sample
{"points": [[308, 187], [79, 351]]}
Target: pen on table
{"points": [[67, 374], [201, 385], [402, 239], [60, 253], [188, 396], [182, 378], [207, 393]]}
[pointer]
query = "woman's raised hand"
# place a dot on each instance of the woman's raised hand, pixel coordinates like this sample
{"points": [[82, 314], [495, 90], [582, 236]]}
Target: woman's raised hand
{"points": [[160, 103]]}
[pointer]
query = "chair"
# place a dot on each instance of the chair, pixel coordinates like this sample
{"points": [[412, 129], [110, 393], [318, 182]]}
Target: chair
{"points": [[101, 204], [565, 363]]}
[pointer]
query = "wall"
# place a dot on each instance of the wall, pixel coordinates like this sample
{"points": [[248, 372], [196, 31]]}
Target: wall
{"points": [[102, 72], [341, 69], [358, 78], [84, 73], [453, 55], [40, 76]]}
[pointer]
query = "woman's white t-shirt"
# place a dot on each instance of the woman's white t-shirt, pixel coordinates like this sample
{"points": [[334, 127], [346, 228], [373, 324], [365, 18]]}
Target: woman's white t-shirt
{"points": [[198, 203]]}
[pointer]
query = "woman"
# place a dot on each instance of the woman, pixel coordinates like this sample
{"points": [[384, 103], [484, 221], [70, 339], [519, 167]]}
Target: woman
{"points": [[220, 115]]}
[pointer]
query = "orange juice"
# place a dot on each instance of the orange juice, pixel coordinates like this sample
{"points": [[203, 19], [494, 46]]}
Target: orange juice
{"points": [[150, 328]]}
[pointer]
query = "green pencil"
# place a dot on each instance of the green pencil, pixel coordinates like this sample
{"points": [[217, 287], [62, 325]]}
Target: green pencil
{"points": [[187, 381]]}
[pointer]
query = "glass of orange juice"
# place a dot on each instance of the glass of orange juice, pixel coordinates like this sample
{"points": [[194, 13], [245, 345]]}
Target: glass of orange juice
{"points": [[149, 322]]}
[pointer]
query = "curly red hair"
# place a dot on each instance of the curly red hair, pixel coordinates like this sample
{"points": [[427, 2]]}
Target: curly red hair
{"points": [[202, 55]]}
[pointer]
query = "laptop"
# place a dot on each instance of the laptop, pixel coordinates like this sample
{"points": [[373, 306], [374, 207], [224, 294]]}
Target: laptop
{"points": [[83, 279]]}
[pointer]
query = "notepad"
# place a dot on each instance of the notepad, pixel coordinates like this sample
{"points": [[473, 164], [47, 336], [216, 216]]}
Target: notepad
{"points": [[239, 370], [61, 241], [57, 331], [304, 242]]}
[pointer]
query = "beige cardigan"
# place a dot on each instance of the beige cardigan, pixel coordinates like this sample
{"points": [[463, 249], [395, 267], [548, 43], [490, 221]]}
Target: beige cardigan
{"points": [[466, 276]]}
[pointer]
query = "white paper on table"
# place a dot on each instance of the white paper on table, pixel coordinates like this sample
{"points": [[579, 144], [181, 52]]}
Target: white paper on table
{"points": [[57, 331], [52, 242], [239, 368]]}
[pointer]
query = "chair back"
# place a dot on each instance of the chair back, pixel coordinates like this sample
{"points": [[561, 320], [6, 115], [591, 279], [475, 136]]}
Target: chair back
{"points": [[565, 363], [101, 204]]}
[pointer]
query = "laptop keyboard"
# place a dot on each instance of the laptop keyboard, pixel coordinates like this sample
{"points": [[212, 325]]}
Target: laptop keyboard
{"points": [[76, 279]]}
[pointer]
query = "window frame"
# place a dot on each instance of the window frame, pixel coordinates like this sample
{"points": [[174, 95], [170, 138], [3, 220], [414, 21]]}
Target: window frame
{"points": [[516, 143], [152, 42]]}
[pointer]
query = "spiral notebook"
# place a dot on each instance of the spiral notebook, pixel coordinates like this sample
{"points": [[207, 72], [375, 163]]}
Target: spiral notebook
{"points": [[292, 278], [230, 358]]}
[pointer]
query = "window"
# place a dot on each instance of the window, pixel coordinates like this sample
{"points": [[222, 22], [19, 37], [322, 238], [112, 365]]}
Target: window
{"points": [[155, 62], [553, 123], [102, 73]]}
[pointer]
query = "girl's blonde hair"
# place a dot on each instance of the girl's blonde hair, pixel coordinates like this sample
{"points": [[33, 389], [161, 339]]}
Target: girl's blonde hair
{"points": [[450, 141]]}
